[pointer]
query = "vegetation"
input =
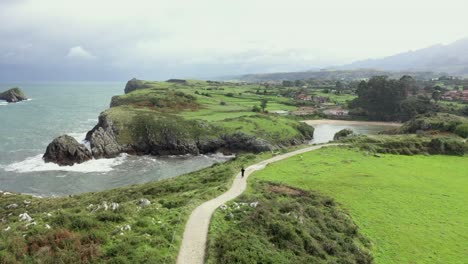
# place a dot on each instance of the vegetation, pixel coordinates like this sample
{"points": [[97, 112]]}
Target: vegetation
{"points": [[386, 99], [410, 144], [410, 207], [342, 134], [274, 223], [439, 121], [168, 114], [89, 228], [462, 130]]}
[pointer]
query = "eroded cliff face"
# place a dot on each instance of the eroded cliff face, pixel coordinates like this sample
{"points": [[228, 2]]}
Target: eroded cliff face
{"points": [[102, 139]]}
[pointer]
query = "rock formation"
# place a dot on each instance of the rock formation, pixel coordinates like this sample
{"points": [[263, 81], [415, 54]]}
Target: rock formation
{"points": [[65, 150], [102, 139], [13, 95]]}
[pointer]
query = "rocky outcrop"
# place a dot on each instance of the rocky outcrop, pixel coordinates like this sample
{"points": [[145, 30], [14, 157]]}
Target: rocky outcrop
{"points": [[181, 81], [102, 139], [135, 84], [66, 151], [13, 95]]}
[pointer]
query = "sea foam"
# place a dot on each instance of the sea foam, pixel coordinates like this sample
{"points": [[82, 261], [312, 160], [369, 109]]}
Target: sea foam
{"points": [[36, 164]]}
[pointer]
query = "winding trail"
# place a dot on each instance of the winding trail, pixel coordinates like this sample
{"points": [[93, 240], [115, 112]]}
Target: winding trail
{"points": [[192, 250]]}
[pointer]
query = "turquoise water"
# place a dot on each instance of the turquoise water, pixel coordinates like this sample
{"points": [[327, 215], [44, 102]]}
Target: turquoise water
{"points": [[26, 128]]}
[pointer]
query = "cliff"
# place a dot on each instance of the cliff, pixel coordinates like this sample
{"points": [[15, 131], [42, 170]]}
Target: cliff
{"points": [[174, 118]]}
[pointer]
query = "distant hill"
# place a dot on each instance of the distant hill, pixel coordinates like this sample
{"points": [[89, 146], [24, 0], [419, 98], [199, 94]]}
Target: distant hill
{"points": [[430, 62], [332, 75], [451, 59]]}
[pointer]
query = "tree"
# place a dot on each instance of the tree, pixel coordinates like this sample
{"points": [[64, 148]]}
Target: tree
{"points": [[339, 87], [409, 84], [380, 97], [415, 105], [263, 104], [464, 111], [288, 84], [436, 95]]}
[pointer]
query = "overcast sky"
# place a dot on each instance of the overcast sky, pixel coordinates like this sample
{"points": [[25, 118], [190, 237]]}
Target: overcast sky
{"points": [[203, 38]]}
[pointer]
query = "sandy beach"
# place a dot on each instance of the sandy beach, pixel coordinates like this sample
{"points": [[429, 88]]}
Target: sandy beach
{"points": [[350, 122]]}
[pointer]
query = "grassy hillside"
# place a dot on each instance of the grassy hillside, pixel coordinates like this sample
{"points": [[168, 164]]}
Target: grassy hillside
{"points": [[273, 223], [89, 228], [412, 208]]}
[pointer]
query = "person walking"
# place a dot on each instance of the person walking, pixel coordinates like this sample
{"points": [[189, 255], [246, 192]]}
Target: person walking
{"points": [[242, 171]]}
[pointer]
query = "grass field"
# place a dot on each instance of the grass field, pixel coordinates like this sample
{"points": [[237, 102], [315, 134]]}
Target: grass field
{"points": [[202, 111], [335, 98], [412, 208]]}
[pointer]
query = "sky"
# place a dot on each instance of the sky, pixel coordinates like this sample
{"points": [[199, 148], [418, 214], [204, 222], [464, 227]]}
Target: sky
{"points": [[153, 39]]}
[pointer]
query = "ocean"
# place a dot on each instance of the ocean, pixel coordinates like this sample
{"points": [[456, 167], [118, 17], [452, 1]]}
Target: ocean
{"points": [[72, 108]]}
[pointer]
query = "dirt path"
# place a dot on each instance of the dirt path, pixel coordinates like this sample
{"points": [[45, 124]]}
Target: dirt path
{"points": [[192, 250]]}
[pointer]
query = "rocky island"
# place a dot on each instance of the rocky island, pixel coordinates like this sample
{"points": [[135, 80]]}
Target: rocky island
{"points": [[179, 117], [13, 95]]}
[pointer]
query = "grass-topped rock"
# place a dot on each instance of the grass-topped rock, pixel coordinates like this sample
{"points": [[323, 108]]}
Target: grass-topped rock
{"points": [[13, 95], [193, 117]]}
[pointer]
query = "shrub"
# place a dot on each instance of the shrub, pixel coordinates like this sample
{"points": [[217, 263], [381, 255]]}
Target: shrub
{"points": [[462, 130], [342, 134], [222, 103], [447, 146], [256, 108], [306, 130], [230, 95]]}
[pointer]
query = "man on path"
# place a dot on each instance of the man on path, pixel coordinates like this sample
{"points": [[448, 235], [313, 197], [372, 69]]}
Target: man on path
{"points": [[242, 171]]}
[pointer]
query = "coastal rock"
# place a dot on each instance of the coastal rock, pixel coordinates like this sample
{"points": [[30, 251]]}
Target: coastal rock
{"points": [[65, 150], [13, 95], [102, 139], [242, 142], [134, 84]]}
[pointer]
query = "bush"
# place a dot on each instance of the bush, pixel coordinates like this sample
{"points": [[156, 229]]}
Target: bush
{"points": [[447, 146], [230, 95], [222, 103], [256, 109], [342, 134], [462, 130], [306, 130]]}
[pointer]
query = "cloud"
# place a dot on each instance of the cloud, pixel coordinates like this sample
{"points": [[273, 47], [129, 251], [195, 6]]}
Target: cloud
{"points": [[255, 35], [79, 52]]}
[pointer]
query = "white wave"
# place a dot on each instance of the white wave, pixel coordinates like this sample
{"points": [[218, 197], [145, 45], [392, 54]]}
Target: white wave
{"points": [[36, 163], [80, 137], [5, 103]]}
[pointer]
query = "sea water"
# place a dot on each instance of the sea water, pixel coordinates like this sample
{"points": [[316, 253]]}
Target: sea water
{"points": [[26, 128]]}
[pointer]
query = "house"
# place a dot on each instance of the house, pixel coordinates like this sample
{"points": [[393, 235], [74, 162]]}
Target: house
{"points": [[304, 97], [456, 95], [336, 112], [320, 99]]}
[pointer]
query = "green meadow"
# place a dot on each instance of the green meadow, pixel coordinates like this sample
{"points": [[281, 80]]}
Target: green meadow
{"points": [[412, 208]]}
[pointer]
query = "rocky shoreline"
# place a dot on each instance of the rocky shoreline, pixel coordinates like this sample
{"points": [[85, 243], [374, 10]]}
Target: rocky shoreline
{"points": [[135, 131]]}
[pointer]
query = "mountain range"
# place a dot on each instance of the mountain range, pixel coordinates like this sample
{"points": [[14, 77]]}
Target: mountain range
{"points": [[433, 61]]}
